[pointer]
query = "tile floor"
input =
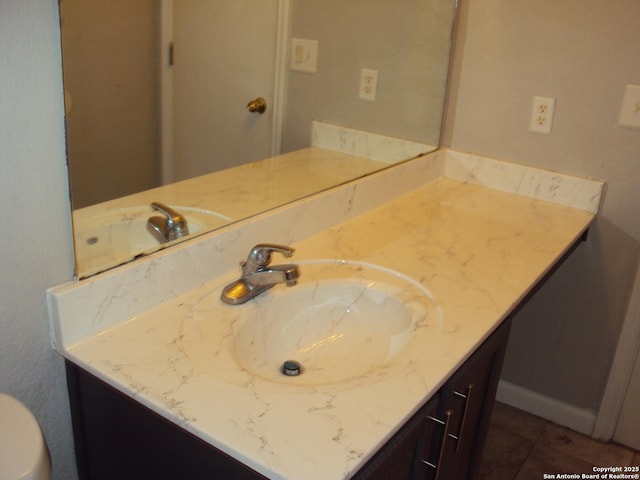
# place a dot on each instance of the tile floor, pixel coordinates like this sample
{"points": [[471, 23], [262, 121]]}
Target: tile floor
{"points": [[521, 446]]}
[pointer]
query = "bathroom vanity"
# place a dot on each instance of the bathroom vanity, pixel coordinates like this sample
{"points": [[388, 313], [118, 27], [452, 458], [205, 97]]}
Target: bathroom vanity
{"points": [[117, 437], [167, 383]]}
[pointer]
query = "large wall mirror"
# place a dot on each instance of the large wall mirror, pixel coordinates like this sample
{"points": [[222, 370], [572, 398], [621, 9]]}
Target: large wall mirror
{"points": [[157, 95]]}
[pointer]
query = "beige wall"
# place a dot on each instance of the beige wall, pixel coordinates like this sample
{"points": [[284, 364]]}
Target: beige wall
{"points": [[407, 41], [582, 53], [35, 242], [110, 52]]}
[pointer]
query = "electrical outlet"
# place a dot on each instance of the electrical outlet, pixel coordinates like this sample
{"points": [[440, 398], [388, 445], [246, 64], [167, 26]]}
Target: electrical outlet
{"points": [[542, 114], [368, 84], [630, 109]]}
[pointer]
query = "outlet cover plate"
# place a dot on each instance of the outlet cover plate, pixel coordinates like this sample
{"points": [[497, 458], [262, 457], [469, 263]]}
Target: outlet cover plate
{"points": [[368, 84], [630, 109], [542, 114]]}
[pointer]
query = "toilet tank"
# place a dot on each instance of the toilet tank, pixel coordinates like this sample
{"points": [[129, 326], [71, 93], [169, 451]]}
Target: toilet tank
{"points": [[23, 451]]}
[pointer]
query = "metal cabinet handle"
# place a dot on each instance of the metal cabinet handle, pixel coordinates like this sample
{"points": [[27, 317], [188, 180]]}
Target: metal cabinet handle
{"points": [[467, 402], [443, 438]]}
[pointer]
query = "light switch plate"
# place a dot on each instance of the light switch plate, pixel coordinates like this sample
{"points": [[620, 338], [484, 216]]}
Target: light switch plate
{"points": [[304, 55], [630, 109]]}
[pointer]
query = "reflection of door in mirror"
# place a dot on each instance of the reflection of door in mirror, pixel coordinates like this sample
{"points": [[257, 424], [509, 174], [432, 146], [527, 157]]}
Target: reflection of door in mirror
{"points": [[112, 56], [225, 56]]}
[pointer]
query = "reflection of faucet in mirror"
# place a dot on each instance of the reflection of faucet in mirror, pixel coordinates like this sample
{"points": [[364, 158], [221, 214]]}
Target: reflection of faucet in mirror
{"points": [[258, 275], [170, 227]]}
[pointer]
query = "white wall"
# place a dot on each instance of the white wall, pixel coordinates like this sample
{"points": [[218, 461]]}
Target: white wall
{"points": [[35, 237], [410, 51], [582, 53]]}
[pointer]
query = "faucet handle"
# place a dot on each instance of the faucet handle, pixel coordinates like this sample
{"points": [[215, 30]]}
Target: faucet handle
{"points": [[171, 227], [260, 255], [173, 217]]}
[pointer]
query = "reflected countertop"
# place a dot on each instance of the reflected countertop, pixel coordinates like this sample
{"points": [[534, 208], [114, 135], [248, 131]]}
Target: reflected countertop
{"points": [[248, 189], [218, 198]]}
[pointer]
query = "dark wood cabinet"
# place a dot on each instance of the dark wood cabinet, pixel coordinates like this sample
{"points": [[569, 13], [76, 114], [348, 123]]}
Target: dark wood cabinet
{"points": [[470, 395], [117, 437], [445, 439], [397, 459]]}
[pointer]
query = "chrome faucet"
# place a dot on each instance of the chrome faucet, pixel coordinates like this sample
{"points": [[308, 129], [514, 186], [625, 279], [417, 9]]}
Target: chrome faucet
{"points": [[170, 227], [258, 275]]}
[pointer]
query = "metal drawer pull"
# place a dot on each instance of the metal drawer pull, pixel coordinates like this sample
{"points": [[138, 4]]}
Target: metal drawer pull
{"points": [[467, 402], [443, 438]]}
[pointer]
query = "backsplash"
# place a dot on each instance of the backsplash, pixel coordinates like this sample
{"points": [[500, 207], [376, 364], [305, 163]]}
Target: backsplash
{"points": [[567, 190], [365, 144], [82, 308]]}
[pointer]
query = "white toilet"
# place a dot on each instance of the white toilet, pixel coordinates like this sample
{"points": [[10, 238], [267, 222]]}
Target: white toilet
{"points": [[23, 452]]}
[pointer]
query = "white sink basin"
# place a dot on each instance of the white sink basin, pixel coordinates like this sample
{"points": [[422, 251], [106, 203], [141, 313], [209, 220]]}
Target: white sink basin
{"points": [[120, 235], [343, 322]]}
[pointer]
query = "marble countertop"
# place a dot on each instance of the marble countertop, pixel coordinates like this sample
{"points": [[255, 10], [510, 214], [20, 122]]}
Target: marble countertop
{"points": [[478, 249]]}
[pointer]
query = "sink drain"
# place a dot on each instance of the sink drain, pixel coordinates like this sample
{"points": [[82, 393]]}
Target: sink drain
{"points": [[291, 368]]}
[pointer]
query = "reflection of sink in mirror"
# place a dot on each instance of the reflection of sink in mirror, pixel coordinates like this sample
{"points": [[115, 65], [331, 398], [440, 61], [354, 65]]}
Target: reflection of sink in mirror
{"points": [[122, 234], [344, 323]]}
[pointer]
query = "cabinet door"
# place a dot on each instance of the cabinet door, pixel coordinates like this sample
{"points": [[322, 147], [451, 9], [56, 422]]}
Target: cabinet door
{"points": [[400, 458], [469, 397], [117, 438]]}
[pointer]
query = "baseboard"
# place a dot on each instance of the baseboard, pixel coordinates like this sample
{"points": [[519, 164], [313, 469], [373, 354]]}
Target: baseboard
{"points": [[577, 419]]}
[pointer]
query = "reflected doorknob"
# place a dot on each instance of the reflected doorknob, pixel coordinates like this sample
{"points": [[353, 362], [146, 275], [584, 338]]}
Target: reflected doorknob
{"points": [[259, 105]]}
